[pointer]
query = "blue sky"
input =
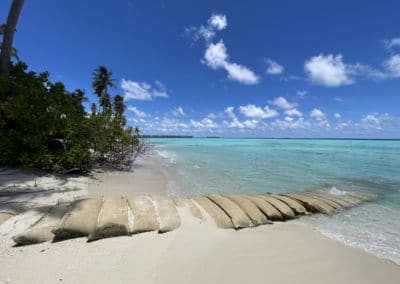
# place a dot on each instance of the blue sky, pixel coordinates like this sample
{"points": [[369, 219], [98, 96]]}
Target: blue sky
{"points": [[228, 68]]}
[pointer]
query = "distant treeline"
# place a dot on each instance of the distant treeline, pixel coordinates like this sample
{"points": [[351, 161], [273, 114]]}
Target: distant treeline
{"points": [[166, 136]]}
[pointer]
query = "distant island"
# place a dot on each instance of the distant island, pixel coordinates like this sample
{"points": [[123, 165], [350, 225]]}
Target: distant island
{"points": [[166, 136]]}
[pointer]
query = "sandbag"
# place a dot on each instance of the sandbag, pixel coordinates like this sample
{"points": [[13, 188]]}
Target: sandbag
{"points": [[312, 204], [185, 202], [42, 230], [331, 203], [292, 203], [252, 211], [237, 215], [112, 220], [168, 215], [286, 211], [333, 198], [80, 220], [270, 211], [5, 216], [217, 214], [144, 214]]}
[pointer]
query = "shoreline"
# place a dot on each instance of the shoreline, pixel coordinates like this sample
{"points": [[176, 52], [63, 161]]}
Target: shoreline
{"points": [[197, 252]]}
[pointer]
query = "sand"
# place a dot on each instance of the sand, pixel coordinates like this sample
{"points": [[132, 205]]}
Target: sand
{"points": [[197, 252]]}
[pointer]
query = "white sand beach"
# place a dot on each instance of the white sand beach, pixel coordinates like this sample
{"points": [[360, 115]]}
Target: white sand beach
{"points": [[197, 252]]}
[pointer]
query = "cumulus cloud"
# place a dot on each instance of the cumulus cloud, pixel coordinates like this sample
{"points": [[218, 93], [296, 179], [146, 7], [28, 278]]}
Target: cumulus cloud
{"points": [[217, 22], [178, 111], [136, 111], [337, 115], [391, 43], [273, 67], [216, 57], [293, 112], [204, 123], [253, 111], [374, 121], [392, 66], [329, 70], [282, 103], [302, 94], [317, 114], [142, 90]]}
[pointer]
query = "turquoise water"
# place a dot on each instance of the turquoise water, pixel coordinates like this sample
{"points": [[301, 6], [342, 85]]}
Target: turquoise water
{"points": [[200, 166]]}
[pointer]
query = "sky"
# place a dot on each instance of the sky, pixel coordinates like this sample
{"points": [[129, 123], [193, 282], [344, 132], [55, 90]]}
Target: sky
{"points": [[228, 68]]}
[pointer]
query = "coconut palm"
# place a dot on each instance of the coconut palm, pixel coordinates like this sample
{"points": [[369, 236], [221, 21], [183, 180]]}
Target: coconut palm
{"points": [[8, 35], [119, 109], [101, 81]]}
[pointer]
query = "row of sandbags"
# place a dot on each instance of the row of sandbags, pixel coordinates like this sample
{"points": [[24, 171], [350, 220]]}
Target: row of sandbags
{"points": [[98, 218]]}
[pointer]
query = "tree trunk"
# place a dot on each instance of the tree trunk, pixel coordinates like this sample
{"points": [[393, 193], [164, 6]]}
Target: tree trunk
{"points": [[6, 49]]}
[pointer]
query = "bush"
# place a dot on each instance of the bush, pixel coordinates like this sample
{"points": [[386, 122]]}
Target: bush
{"points": [[42, 125]]}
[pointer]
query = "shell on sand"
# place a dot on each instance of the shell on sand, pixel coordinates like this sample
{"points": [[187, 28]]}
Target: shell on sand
{"points": [[220, 218], [186, 202], [292, 203], [253, 212], [312, 203], [237, 215], [286, 211], [80, 220], [270, 211], [144, 214], [168, 215], [41, 231], [112, 219]]}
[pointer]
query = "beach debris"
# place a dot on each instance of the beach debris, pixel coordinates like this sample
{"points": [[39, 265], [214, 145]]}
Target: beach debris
{"points": [[168, 215], [292, 203], [285, 210], [252, 211], [144, 214], [99, 218], [238, 217], [186, 202], [217, 214], [270, 211], [112, 219], [80, 220]]}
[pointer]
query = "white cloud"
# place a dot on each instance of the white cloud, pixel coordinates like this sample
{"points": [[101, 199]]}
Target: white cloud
{"points": [[282, 103], [317, 114], [274, 68], [390, 43], [337, 115], [178, 111], [374, 121], [216, 57], [142, 90], [253, 111], [302, 94], [218, 21], [290, 123], [293, 112], [329, 70], [339, 99], [392, 66], [137, 112]]}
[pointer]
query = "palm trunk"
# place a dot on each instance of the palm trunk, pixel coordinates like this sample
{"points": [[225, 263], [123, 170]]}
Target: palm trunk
{"points": [[8, 37]]}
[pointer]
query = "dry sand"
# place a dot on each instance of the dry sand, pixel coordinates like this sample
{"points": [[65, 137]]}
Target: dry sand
{"points": [[197, 252]]}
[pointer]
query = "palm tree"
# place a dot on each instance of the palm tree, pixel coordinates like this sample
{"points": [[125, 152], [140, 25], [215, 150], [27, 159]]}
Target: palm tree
{"points": [[9, 29], [101, 81], [119, 109]]}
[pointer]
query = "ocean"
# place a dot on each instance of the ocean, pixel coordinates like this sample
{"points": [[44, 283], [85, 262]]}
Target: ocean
{"points": [[203, 165]]}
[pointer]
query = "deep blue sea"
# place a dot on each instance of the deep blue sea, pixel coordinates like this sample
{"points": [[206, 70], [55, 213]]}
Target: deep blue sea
{"points": [[200, 165]]}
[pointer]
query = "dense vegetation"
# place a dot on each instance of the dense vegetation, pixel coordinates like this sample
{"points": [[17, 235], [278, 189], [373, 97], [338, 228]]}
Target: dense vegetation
{"points": [[42, 125]]}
